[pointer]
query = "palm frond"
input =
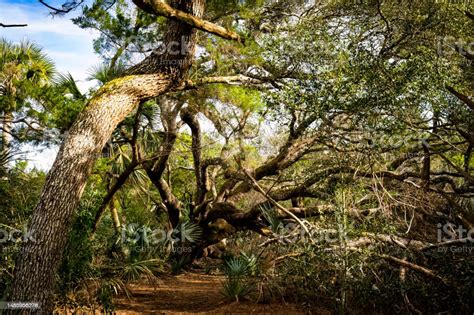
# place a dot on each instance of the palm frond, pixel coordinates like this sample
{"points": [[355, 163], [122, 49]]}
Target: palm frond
{"points": [[67, 82], [26, 62], [272, 218], [235, 267], [235, 289], [135, 270], [104, 73], [189, 231], [5, 157]]}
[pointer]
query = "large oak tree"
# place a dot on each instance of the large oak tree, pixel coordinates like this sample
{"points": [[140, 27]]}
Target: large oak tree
{"points": [[155, 75]]}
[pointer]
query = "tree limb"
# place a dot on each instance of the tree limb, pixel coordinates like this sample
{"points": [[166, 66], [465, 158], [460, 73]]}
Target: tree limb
{"points": [[231, 80], [469, 15], [464, 98], [160, 7], [13, 25], [189, 117], [65, 8]]}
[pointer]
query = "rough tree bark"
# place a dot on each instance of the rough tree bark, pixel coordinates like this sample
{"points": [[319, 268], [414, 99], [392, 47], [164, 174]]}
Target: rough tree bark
{"points": [[6, 131], [51, 221]]}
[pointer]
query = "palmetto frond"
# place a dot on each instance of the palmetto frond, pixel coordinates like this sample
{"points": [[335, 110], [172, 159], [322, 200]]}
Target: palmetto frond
{"points": [[133, 271], [29, 58], [5, 157], [67, 82], [22, 65], [236, 267], [190, 231], [272, 218], [104, 73]]}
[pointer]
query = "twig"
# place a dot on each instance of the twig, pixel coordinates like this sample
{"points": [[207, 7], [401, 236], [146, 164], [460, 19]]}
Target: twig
{"points": [[290, 255], [66, 8]]}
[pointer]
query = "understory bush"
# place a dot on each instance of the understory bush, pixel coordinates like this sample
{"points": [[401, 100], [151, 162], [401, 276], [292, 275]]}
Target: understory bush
{"points": [[240, 272]]}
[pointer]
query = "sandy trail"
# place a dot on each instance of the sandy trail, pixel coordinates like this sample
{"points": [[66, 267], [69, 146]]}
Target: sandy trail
{"points": [[191, 293]]}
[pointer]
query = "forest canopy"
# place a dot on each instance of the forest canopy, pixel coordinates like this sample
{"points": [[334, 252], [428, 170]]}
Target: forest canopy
{"points": [[313, 152]]}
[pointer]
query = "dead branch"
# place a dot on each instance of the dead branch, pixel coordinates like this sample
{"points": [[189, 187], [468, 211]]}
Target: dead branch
{"points": [[420, 269], [462, 97]]}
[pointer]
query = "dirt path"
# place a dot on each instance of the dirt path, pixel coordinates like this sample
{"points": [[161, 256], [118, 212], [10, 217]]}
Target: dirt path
{"points": [[191, 293]]}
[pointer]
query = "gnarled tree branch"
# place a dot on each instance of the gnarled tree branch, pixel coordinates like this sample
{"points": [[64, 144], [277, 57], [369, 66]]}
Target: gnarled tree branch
{"points": [[160, 7]]}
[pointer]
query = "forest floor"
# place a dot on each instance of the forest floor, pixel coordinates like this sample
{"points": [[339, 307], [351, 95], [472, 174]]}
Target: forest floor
{"points": [[193, 293]]}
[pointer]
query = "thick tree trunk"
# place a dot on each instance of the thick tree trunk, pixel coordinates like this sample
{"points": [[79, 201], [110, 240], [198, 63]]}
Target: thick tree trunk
{"points": [[52, 217]]}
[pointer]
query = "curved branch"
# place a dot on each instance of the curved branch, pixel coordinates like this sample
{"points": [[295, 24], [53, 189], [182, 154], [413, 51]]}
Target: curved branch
{"points": [[65, 8], [160, 7], [189, 117], [290, 214]]}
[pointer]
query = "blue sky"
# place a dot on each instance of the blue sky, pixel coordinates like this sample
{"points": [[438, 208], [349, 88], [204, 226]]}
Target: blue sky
{"points": [[69, 46]]}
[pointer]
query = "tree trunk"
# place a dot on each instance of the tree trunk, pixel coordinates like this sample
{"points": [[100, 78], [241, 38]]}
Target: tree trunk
{"points": [[156, 167], [51, 221], [6, 132], [115, 216]]}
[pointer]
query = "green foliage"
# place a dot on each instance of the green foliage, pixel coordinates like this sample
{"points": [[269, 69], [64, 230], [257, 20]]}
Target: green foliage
{"points": [[79, 253], [16, 205], [346, 87], [123, 28], [24, 69], [235, 289], [271, 216], [239, 272], [240, 97], [148, 268], [105, 73], [178, 264], [106, 264]]}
